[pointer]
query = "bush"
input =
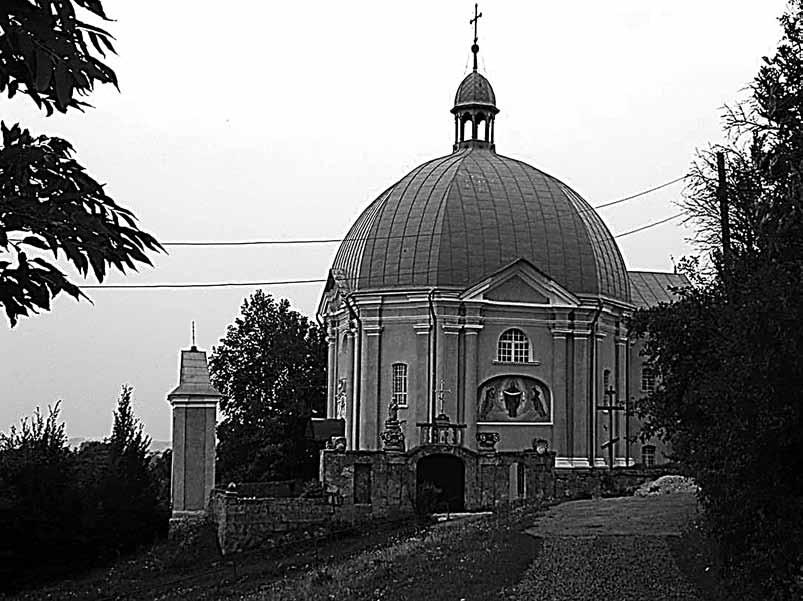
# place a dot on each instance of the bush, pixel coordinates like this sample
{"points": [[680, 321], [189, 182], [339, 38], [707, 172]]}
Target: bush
{"points": [[64, 510]]}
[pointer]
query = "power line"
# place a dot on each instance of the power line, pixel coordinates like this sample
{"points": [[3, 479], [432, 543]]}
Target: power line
{"points": [[616, 202], [649, 225], [392, 237], [278, 242], [313, 280], [209, 285]]}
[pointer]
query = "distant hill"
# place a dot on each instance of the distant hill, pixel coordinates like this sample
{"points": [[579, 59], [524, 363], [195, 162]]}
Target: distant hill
{"points": [[157, 446]]}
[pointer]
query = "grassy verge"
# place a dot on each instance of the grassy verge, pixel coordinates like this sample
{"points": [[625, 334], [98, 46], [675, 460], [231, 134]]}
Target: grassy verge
{"points": [[473, 559]]}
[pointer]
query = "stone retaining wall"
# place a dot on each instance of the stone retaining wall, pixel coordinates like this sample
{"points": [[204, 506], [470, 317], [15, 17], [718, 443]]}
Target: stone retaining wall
{"points": [[574, 483], [360, 486], [244, 523]]}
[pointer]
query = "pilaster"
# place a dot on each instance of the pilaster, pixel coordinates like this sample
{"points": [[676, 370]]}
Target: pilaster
{"points": [[580, 401], [560, 408], [369, 413], [470, 336]]}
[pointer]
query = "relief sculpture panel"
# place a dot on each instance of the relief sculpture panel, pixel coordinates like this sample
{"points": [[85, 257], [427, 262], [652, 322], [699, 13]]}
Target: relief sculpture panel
{"points": [[514, 399]]}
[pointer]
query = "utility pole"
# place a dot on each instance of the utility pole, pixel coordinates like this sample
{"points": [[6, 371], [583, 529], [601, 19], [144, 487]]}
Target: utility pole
{"points": [[722, 195]]}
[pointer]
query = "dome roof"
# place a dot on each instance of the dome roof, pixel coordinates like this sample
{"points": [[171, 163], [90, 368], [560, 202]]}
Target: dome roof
{"points": [[457, 219], [475, 89]]}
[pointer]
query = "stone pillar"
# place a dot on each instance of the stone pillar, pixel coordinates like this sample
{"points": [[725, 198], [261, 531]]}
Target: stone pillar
{"points": [[194, 407], [560, 409], [447, 369], [369, 389], [349, 367], [331, 375], [580, 405], [422, 393], [621, 396], [471, 333]]}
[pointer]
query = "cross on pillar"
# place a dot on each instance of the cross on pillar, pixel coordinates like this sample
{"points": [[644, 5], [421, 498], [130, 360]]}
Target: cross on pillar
{"points": [[609, 408], [475, 48]]}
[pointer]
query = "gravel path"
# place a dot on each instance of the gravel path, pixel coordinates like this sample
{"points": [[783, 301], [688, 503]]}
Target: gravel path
{"points": [[609, 549]]}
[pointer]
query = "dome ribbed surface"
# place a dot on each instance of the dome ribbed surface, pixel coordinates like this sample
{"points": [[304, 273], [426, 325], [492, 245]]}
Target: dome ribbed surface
{"points": [[475, 89], [457, 219]]}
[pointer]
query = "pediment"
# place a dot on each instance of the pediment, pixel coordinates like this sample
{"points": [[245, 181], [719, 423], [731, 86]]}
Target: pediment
{"points": [[520, 282], [334, 293]]}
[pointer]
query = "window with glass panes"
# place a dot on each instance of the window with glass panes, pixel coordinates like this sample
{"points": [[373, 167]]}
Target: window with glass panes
{"points": [[647, 379], [513, 347], [400, 384], [648, 455]]}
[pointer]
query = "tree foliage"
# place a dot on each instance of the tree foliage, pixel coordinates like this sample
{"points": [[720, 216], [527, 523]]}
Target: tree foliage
{"points": [[50, 54], [271, 369], [728, 352], [48, 202]]}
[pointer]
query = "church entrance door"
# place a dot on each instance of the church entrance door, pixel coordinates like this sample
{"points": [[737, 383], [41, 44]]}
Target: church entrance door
{"points": [[444, 478]]}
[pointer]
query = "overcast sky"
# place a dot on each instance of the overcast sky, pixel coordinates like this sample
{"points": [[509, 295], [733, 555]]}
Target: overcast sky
{"points": [[258, 120]]}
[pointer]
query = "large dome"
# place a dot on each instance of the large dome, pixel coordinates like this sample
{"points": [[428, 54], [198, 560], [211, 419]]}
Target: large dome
{"points": [[457, 219]]}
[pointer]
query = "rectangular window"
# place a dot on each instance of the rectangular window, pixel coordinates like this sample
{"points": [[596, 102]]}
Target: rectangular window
{"points": [[362, 484], [647, 379], [400, 384], [648, 455]]}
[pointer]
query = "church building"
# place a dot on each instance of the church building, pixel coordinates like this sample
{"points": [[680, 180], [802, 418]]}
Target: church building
{"points": [[479, 302]]}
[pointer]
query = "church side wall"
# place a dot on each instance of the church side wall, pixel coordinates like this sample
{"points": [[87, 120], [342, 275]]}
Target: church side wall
{"points": [[401, 343], [636, 393]]}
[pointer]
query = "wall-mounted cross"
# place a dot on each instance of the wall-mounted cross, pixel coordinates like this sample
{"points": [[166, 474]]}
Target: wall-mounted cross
{"points": [[474, 21], [441, 391]]}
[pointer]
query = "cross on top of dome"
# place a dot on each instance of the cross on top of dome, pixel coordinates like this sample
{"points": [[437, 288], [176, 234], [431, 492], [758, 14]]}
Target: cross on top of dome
{"points": [[474, 47], [474, 104]]}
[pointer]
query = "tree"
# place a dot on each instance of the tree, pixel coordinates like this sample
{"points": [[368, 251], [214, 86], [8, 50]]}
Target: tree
{"points": [[728, 352], [271, 369], [48, 203], [129, 492]]}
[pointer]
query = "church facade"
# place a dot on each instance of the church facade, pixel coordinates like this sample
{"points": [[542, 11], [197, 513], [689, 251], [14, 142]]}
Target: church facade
{"points": [[481, 303]]}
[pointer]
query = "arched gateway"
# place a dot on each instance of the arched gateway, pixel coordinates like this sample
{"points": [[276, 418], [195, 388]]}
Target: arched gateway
{"points": [[444, 477]]}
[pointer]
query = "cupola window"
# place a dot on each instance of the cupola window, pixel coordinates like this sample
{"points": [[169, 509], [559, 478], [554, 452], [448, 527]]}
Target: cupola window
{"points": [[513, 347]]}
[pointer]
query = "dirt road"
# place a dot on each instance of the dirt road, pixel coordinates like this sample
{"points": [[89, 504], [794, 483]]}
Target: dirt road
{"points": [[623, 548]]}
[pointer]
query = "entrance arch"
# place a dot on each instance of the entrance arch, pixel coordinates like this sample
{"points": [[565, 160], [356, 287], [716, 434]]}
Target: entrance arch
{"points": [[447, 474]]}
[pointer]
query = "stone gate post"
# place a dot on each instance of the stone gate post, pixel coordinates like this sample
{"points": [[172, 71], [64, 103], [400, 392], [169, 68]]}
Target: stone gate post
{"points": [[194, 407]]}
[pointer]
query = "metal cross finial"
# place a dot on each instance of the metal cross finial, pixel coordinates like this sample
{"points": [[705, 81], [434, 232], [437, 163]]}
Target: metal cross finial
{"points": [[474, 47], [474, 21], [193, 334]]}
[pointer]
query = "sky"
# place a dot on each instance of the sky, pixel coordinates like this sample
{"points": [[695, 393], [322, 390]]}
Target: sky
{"points": [[253, 120]]}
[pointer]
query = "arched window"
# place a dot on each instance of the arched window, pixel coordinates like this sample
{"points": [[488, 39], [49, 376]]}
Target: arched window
{"points": [[467, 133], [648, 455], [400, 384], [647, 379], [513, 347]]}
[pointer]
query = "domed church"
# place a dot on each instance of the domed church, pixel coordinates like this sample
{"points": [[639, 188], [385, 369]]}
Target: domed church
{"points": [[480, 303]]}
